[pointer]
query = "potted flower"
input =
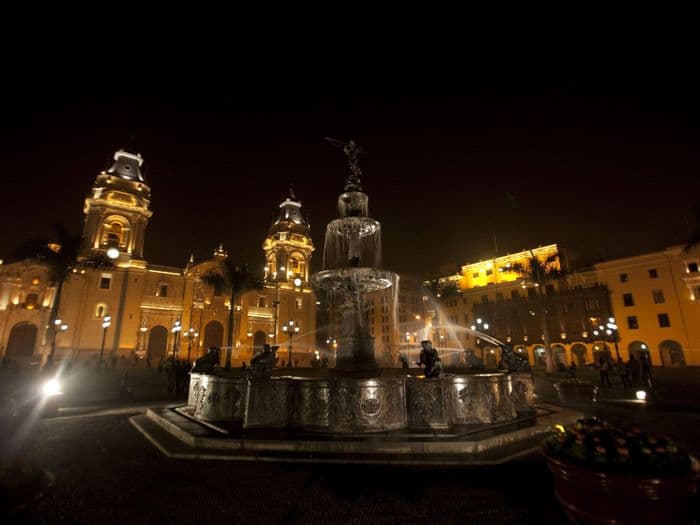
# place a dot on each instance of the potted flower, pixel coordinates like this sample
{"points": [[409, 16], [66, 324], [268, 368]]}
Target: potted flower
{"points": [[603, 474], [573, 390]]}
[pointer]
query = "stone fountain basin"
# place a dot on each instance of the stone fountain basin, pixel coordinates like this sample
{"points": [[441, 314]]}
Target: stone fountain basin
{"points": [[349, 405], [364, 279]]}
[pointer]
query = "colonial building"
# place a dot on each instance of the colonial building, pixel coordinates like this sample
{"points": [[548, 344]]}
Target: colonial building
{"points": [[134, 309], [656, 298], [498, 297]]}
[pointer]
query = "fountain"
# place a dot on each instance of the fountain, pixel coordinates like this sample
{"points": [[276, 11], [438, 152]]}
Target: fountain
{"points": [[416, 415]]}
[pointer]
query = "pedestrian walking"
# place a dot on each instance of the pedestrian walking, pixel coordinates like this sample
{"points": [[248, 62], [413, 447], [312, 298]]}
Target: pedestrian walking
{"points": [[634, 369], [645, 366], [604, 369], [624, 373]]}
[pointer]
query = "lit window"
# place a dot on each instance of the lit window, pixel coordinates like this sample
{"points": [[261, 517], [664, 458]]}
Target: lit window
{"points": [[658, 296], [105, 281], [299, 303], [627, 299]]}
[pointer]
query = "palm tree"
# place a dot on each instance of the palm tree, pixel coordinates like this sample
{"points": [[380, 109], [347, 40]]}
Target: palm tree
{"points": [[539, 273], [59, 253], [234, 280]]}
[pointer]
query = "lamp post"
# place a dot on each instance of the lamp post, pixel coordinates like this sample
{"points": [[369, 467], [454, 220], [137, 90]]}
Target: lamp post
{"points": [[609, 330], [177, 327], [59, 326], [190, 335], [291, 328], [275, 307], [106, 322]]}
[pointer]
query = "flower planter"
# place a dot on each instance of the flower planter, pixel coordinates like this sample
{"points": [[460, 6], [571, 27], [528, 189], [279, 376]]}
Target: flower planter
{"points": [[576, 392], [594, 497]]}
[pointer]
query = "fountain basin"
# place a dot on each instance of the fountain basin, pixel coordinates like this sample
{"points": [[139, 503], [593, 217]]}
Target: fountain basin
{"points": [[364, 279], [346, 405]]}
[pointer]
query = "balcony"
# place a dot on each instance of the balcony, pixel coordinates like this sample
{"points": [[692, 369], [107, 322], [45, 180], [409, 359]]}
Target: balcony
{"points": [[261, 312], [154, 302]]}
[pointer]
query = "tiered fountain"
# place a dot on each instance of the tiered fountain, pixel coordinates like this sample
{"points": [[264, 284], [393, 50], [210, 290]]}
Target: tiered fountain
{"points": [[357, 398]]}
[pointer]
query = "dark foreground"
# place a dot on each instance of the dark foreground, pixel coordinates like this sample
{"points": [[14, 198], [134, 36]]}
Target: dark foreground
{"points": [[106, 472]]}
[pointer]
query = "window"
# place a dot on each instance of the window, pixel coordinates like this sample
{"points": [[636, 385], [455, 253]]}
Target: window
{"points": [[658, 296], [623, 277], [653, 274], [35, 280], [632, 322], [294, 264], [100, 310], [261, 301], [31, 301], [299, 303], [475, 275], [664, 321], [105, 281], [162, 290], [489, 272], [627, 299], [484, 298], [692, 267], [114, 234]]}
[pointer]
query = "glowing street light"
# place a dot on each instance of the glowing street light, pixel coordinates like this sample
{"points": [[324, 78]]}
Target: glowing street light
{"points": [[177, 327], [291, 328], [113, 253], [106, 322]]}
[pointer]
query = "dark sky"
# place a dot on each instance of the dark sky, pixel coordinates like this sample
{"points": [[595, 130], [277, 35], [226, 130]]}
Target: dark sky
{"points": [[539, 125]]}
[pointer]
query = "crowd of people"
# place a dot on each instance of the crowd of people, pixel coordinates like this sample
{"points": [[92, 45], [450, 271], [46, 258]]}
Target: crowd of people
{"points": [[633, 373]]}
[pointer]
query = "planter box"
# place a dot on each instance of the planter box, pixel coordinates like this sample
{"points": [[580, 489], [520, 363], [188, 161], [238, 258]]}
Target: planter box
{"points": [[571, 392], [594, 497]]}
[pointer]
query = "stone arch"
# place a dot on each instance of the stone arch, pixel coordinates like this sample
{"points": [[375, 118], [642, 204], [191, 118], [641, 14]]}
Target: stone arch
{"points": [[259, 339], [636, 348], [579, 352], [558, 354], [538, 352], [115, 231], [157, 343], [22, 341], [213, 334], [671, 353]]}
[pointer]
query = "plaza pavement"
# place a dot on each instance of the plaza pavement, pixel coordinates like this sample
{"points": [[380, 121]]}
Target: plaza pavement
{"points": [[106, 472]]}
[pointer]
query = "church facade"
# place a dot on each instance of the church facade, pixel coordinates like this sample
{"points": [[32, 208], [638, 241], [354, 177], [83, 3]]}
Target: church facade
{"points": [[131, 309]]}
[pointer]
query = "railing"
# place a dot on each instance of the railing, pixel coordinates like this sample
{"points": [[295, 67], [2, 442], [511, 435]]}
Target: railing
{"points": [[162, 303], [260, 311]]}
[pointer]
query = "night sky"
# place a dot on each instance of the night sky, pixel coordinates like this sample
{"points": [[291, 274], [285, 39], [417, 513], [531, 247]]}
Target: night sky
{"points": [[532, 126]]}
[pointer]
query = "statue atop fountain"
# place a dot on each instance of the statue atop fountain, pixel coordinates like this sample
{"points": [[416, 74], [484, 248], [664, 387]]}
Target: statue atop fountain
{"points": [[430, 359], [352, 267]]}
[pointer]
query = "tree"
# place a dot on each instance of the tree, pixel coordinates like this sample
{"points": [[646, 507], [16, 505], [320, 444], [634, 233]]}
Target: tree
{"points": [[539, 273], [233, 280], [59, 253]]}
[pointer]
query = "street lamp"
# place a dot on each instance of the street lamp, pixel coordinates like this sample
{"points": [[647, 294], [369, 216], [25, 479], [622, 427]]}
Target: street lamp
{"points": [[176, 330], [291, 328], [609, 330], [275, 307], [190, 336], [106, 322]]}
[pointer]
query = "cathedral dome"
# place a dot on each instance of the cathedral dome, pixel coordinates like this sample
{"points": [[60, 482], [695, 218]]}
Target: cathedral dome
{"points": [[290, 218]]}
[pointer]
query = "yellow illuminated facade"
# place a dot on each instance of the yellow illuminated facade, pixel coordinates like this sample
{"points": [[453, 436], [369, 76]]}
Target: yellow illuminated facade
{"points": [[144, 301], [656, 299]]}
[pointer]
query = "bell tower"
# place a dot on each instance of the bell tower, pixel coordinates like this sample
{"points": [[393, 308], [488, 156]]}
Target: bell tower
{"points": [[288, 245], [116, 212]]}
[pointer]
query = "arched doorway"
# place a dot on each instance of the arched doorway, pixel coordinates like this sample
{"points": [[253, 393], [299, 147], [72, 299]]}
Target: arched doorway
{"points": [[559, 355], [540, 359], [671, 353], [258, 341], [157, 342], [636, 348], [580, 352], [22, 341], [213, 334]]}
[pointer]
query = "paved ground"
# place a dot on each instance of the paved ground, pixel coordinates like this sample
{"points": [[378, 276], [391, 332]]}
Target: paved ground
{"points": [[106, 472]]}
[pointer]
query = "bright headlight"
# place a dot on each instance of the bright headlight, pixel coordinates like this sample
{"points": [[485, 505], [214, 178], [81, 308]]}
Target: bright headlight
{"points": [[51, 388]]}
